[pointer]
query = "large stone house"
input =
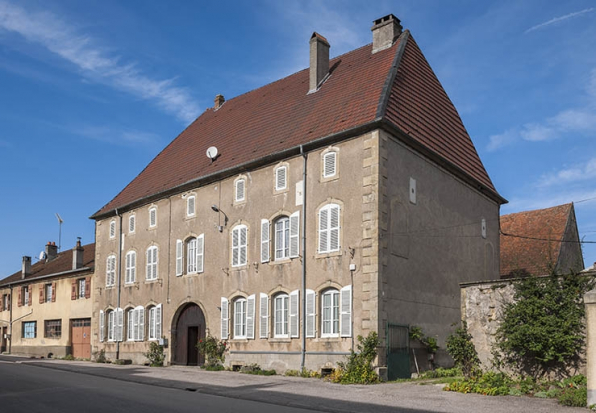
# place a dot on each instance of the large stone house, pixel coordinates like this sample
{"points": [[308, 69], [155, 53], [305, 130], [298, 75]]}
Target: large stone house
{"points": [[340, 200], [46, 307], [540, 242]]}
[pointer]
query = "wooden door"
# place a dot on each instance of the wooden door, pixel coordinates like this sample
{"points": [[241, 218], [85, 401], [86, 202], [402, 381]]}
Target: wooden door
{"points": [[190, 327], [81, 338]]}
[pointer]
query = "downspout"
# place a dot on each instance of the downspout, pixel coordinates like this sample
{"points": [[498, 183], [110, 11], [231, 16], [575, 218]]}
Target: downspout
{"points": [[303, 356], [119, 276], [10, 325]]}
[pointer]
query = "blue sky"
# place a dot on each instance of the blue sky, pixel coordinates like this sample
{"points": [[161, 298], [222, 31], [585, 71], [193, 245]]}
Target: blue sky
{"points": [[91, 91]]}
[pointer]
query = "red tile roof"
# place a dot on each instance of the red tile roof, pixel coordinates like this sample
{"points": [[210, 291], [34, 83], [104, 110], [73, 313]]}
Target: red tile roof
{"points": [[538, 252], [60, 264], [281, 116]]}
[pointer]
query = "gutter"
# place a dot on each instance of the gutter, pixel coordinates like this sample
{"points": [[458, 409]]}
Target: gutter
{"points": [[44, 277], [304, 175]]}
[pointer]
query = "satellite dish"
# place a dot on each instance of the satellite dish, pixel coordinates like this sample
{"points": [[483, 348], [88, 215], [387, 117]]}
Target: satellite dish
{"points": [[212, 153], [42, 255]]}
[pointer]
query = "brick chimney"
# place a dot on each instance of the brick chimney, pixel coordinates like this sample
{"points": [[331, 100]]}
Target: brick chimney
{"points": [[385, 31], [77, 256], [219, 100], [51, 251], [26, 269], [319, 60]]}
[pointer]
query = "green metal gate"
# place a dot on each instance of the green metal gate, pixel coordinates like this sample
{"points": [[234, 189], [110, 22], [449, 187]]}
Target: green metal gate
{"points": [[398, 351]]}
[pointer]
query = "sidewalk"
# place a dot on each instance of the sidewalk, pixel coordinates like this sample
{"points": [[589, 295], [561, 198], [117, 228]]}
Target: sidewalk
{"points": [[310, 393]]}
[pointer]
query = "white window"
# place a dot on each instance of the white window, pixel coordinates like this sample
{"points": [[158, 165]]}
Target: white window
{"points": [[131, 224], [112, 229], [81, 288], [240, 194], [190, 206], [137, 331], [130, 335], [152, 217], [329, 164], [155, 322], [345, 302], [240, 318], [264, 240], [131, 265], [310, 313], [280, 178], [224, 318], [111, 271], [282, 238], [191, 255], [329, 228], [239, 245], [264, 316], [152, 263], [48, 288], [330, 313], [102, 323], [26, 295], [280, 311], [111, 326]]}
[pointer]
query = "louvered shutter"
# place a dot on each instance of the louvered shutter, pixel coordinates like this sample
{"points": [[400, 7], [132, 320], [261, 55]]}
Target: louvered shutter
{"points": [[135, 324], [131, 223], [240, 190], [224, 318], [141, 333], [264, 316], [53, 292], [41, 293], [158, 315], [119, 321], [280, 178], [235, 247], [155, 250], [265, 248], [294, 319], [250, 317], [295, 234], [88, 287], [73, 290], [346, 311], [102, 322], [200, 252], [329, 164], [20, 300], [310, 313], [334, 228], [191, 206], [323, 232], [179, 257], [243, 244]]}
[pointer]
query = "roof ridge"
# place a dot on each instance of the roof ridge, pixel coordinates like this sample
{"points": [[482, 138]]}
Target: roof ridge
{"points": [[386, 93]]}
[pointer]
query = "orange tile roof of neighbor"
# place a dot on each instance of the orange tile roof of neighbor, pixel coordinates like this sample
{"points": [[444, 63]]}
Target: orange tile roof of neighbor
{"points": [[62, 263], [393, 88], [531, 255]]}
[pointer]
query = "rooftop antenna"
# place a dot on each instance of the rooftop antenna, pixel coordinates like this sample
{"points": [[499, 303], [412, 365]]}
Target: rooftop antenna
{"points": [[60, 221]]}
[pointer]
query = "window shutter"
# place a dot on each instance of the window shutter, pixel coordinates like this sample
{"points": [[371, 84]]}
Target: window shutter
{"points": [[200, 252], [235, 248], [294, 324], [323, 223], [295, 234], [73, 290], [131, 223], [41, 293], [20, 301], [53, 292], [250, 317], [179, 257], [329, 164], [265, 240], [135, 324], [310, 313], [102, 320], [158, 321], [88, 287], [155, 263], [334, 229], [264, 317], [280, 178], [141, 333], [243, 245], [119, 321], [190, 206], [346, 311], [224, 318], [240, 190]]}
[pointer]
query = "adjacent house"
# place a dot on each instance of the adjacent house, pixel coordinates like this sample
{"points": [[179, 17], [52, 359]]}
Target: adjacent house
{"points": [[46, 307], [344, 199], [540, 242]]}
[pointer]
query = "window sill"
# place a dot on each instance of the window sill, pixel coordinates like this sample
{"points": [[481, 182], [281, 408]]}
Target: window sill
{"points": [[239, 340], [329, 254], [280, 340], [330, 178], [157, 280]]}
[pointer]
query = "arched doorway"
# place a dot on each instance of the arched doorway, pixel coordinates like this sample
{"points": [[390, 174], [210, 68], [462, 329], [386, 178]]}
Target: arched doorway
{"points": [[188, 329]]}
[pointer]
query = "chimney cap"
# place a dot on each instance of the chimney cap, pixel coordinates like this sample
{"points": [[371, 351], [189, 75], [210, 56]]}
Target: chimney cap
{"points": [[219, 100], [386, 19], [316, 36]]}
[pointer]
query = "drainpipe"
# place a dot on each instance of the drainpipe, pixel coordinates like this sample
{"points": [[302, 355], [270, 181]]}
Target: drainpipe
{"points": [[303, 356], [10, 325], [119, 276]]}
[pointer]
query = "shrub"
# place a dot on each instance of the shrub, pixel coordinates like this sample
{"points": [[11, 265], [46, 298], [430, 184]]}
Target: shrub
{"points": [[213, 350], [543, 329], [574, 397], [463, 352], [69, 357], [256, 369], [429, 342], [217, 367], [302, 373], [441, 372], [155, 355], [100, 356], [359, 368]]}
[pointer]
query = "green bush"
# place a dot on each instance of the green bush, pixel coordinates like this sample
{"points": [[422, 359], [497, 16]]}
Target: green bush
{"points": [[213, 350], [463, 352], [429, 342], [256, 369], [441, 372], [155, 355], [576, 397], [359, 367], [100, 356], [69, 357], [488, 384], [302, 373], [217, 367], [543, 329]]}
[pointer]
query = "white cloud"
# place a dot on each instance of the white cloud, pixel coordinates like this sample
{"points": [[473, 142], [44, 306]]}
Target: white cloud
{"points": [[535, 132], [503, 139], [82, 51], [115, 136], [559, 19], [574, 174]]}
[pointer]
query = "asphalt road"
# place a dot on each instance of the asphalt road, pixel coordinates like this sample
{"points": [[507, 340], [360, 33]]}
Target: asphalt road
{"points": [[31, 389]]}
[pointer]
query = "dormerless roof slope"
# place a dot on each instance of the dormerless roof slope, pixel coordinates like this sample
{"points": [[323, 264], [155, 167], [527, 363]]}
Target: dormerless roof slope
{"points": [[62, 263], [531, 240], [394, 88]]}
